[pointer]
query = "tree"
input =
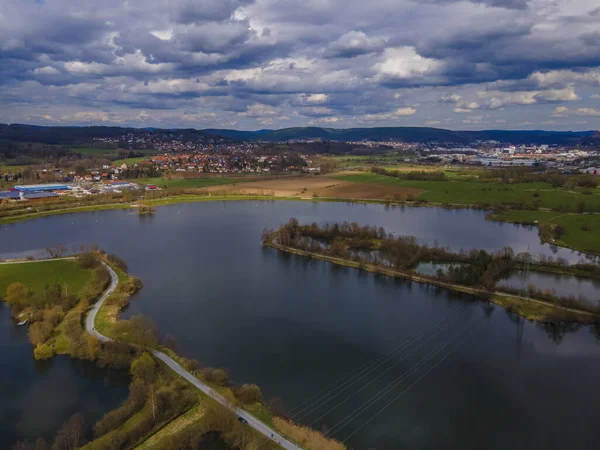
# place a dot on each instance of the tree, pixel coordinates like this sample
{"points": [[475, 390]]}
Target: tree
{"points": [[23, 445], [248, 394], [41, 444], [39, 332], [87, 261], [93, 347], [170, 342], [216, 376], [43, 351], [17, 294], [71, 433], [144, 368], [139, 330], [56, 252], [53, 316]]}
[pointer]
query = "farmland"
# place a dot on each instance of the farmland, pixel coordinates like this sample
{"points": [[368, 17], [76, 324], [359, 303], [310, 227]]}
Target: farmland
{"points": [[484, 193], [190, 183]]}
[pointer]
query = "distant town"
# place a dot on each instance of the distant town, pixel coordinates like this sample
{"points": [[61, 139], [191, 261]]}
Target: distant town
{"points": [[149, 155]]}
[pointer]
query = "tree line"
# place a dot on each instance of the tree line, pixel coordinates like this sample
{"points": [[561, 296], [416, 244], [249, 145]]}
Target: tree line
{"points": [[374, 246], [422, 175]]}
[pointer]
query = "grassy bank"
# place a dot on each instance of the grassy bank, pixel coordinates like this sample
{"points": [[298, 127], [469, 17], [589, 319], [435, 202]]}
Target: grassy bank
{"points": [[53, 296], [581, 231]]}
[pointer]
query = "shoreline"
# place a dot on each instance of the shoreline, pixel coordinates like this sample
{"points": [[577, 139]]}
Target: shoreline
{"points": [[494, 215], [100, 317], [547, 314]]}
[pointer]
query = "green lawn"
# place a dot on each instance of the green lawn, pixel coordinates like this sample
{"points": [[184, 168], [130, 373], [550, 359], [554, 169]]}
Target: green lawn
{"points": [[582, 231], [539, 194], [190, 182], [37, 275], [130, 161]]}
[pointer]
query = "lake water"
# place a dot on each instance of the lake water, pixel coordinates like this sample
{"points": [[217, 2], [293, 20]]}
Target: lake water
{"points": [[36, 397], [452, 371], [561, 285], [431, 268]]}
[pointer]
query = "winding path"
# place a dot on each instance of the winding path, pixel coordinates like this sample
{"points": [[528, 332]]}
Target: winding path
{"points": [[173, 365]]}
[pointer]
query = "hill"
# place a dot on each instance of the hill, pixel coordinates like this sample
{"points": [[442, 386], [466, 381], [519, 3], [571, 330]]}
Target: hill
{"points": [[411, 134], [76, 135]]}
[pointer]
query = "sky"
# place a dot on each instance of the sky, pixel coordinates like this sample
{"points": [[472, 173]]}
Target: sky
{"points": [[256, 64]]}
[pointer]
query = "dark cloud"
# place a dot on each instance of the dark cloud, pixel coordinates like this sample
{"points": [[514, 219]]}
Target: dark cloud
{"points": [[508, 4], [334, 61], [354, 43], [200, 11]]}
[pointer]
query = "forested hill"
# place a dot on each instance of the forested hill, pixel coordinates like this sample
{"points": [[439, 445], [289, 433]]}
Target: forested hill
{"points": [[411, 134], [73, 135], [80, 135]]}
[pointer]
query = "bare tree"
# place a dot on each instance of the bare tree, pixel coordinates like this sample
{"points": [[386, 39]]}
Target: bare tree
{"points": [[70, 436], [57, 252]]}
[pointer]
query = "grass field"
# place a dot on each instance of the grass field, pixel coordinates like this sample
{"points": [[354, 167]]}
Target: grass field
{"points": [[175, 426], [93, 151], [129, 161], [539, 194], [189, 183], [37, 275], [582, 231], [371, 160]]}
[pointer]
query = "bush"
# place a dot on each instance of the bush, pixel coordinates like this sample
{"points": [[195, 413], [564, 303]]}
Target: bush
{"points": [[39, 332], [43, 351], [117, 261], [218, 377], [87, 261], [248, 394]]}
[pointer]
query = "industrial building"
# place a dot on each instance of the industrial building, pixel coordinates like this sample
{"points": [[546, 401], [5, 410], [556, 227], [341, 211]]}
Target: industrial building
{"points": [[42, 187]]}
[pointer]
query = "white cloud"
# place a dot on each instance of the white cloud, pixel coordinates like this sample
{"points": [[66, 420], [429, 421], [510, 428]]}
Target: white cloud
{"points": [[563, 111], [315, 99], [404, 63], [400, 112]]}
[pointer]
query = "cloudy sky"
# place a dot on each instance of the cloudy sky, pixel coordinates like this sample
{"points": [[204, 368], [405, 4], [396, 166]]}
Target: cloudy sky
{"points": [[252, 64]]}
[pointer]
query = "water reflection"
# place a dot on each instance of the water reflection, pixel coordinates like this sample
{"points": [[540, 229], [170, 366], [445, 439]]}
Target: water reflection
{"points": [[36, 397], [295, 326]]}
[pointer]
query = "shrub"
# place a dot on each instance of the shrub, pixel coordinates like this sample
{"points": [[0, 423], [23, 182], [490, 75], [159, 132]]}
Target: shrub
{"points": [[87, 261], [218, 377], [117, 261], [248, 394], [43, 351]]}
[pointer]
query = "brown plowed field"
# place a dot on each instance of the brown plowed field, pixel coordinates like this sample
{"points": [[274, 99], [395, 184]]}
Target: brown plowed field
{"points": [[369, 191], [320, 186]]}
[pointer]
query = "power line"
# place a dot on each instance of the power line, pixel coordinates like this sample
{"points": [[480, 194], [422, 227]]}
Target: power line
{"points": [[382, 373], [345, 421], [412, 384], [367, 370], [376, 361]]}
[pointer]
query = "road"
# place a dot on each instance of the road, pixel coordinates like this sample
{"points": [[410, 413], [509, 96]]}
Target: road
{"points": [[91, 317], [173, 365]]}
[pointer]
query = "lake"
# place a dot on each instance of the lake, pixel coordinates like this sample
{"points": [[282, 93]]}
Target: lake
{"points": [[440, 369], [37, 397], [431, 268], [561, 285]]}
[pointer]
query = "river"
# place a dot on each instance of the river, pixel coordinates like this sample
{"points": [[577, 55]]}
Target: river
{"points": [[296, 326]]}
